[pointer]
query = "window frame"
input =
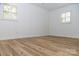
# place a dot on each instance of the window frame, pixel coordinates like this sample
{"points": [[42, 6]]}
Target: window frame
{"points": [[10, 15], [66, 17]]}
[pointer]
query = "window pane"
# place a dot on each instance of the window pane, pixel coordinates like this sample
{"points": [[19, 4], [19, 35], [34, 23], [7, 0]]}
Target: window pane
{"points": [[7, 8], [9, 15], [63, 18], [67, 19], [67, 14], [13, 9], [63, 15], [6, 15]]}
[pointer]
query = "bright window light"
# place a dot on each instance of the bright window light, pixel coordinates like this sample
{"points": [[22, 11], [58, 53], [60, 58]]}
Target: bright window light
{"points": [[65, 17], [9, 11]]}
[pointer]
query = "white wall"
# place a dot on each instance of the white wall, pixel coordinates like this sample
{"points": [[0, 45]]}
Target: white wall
{"points": [[35, 21], [56, 28], [31, 21]]}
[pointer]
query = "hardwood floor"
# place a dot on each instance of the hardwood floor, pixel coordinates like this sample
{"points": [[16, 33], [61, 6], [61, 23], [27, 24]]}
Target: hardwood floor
{"points": [[40, 46]]}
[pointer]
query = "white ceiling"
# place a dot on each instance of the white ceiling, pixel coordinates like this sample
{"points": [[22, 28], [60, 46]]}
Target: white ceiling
{"points": [[51, 6]]}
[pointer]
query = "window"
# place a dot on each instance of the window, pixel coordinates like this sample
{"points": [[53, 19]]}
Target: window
{"points": [[65, 17], [9, 11]]}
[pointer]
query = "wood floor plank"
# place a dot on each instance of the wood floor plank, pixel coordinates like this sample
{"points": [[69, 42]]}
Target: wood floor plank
{"points": [[40, 46]]}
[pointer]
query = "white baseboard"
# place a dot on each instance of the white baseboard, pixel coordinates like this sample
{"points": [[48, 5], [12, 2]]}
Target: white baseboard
{"points": [[18, 37], [26, 36], [77, 37]]}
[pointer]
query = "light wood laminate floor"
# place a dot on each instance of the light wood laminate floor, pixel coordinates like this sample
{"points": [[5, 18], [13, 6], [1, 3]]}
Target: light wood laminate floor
{"points": [[40, 46]]}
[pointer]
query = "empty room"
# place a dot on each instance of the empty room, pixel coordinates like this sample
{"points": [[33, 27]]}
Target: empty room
{"points": [[39, 29]]}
